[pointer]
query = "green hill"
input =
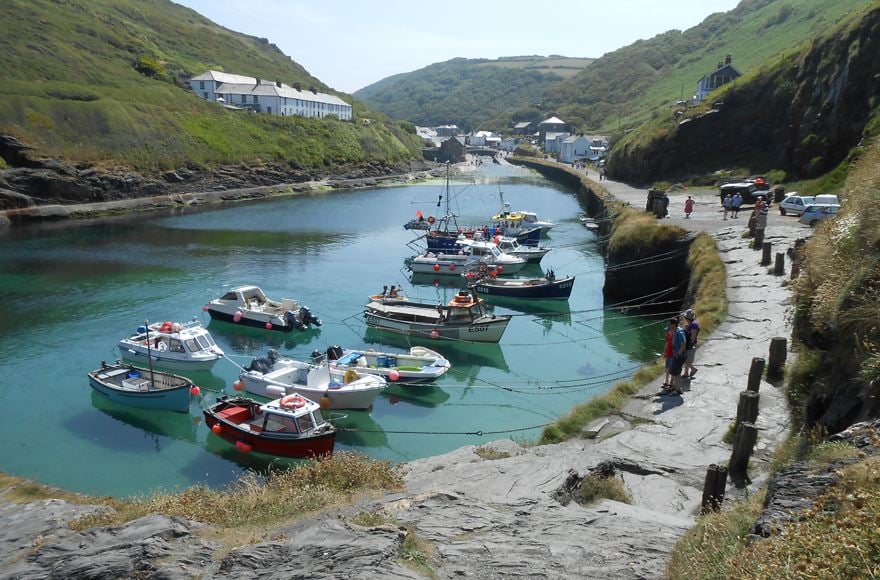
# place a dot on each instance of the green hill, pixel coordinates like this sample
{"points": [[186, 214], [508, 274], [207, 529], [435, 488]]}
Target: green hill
{"points": [[625, 87], [102, 81], [471, 93]]}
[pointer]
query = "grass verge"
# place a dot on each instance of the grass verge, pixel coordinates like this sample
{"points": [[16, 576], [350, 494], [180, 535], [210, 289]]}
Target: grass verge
{"points": [[254, 501], [489, 453], [595, 487]]}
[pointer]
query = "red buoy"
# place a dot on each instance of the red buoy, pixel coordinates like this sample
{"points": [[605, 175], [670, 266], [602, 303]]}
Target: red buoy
{"points": [[436, 267], [216, 428]]}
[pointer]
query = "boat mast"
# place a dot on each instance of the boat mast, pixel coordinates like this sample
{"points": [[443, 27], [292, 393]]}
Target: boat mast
{"points": [[149, 355]]}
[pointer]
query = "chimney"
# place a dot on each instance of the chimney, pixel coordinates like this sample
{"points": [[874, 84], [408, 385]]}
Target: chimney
{"points": [[258, 82], [720, 64], [728, 59], [278, 83]]}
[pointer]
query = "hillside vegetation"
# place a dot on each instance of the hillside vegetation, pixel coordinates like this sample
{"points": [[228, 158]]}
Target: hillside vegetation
{"points": [[101, 81], [471, 93], [624, 87], [800, 115]]}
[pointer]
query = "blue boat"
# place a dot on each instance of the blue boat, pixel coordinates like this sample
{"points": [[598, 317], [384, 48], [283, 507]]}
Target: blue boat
{"points": [[142, 388]]}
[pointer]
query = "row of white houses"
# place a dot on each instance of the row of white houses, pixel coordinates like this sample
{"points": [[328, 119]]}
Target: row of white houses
{"points": [[262, 96]]}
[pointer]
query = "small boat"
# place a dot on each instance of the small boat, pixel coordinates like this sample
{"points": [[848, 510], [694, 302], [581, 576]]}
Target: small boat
{"points": [[420, 365], [272, 376], [394, 294], [470, 253], [520, 219], [547, 288], [588, 222], [172, 345], [291, 426], [248, 305], [464, 319], [142, 388], [531, 254]]}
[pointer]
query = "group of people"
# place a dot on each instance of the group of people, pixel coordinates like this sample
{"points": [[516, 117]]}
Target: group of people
{"points": [[731, 204], [680, 351]]}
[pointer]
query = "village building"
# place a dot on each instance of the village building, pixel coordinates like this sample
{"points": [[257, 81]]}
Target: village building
{"points": [[509, 144], [574, 148], [452, 150], [723, 74], [447, 130], [553, 142], [553, 125], [262, 96], [523, 128]]}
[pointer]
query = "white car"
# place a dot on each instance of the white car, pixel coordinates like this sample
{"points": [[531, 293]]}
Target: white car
{"points": [[795, 204], [817, 213]]}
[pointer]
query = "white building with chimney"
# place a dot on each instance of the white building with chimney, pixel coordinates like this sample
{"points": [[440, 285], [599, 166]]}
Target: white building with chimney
{"points": [[262, 96]]}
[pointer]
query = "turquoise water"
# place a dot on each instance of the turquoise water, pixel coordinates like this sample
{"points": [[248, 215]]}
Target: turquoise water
{"points": [[72, 290]]}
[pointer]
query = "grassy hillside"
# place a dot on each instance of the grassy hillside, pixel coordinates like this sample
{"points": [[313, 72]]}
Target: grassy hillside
{"points": [[798, 117], [102, 81], [624, 87], [471, 93]]}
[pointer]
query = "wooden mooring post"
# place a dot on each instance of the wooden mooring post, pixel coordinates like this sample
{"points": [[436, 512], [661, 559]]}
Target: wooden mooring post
{"points": [[777, 357], [755, 372], [714, 488], [743, 445], [759, 238], [747, 408], [767, 249], [779, 267]]}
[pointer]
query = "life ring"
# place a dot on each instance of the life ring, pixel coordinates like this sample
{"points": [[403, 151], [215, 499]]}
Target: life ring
{"points": [[431, 219], [162, 346], [460, 299], [292, 402], [350, 376]]}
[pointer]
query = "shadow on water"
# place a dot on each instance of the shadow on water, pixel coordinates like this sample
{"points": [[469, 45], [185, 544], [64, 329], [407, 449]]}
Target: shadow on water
{"points": [[246, 339], [634, 336], [417, 395], [138, 431], [357, 429]]}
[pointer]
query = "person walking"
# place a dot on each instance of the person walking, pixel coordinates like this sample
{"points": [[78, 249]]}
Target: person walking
{"points": [[692, 333], [688, 207], [727, 204], [679, 350], [667, 355], [736, 202]]}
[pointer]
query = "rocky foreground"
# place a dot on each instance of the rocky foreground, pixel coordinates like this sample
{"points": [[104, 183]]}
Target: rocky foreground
{"points": [[508, 516]]}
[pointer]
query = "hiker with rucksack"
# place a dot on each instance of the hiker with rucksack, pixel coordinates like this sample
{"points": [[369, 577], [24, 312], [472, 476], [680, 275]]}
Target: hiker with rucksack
{"points": [[692, 331]]}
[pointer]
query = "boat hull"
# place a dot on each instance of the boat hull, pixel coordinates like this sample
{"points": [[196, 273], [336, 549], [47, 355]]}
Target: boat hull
{"points": [[301, 447], [139, 356], [539, 289], [383, 363], [357, 397], [252, 319], [486, 329], [173, 399]]}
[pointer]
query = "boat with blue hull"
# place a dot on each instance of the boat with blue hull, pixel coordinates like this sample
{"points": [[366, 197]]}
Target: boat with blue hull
{"points": [[142, 388]]}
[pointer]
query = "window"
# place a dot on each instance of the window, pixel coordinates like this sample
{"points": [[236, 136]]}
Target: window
{"points": [[256, 99], [202, 85], [304, 422], [192, 345], [230, 296], [176, 346]]}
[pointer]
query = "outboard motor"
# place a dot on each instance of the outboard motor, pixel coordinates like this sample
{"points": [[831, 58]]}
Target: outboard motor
{"points": [[291, 319], [307, 317], [334, 352], [317, 355]]}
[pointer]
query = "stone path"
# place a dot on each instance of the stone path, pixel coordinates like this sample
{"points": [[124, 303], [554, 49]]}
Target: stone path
{"points": [[507, 517]]}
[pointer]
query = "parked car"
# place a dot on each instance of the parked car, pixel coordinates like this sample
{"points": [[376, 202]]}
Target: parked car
{"points": [[795, 204], [816, 213], [747, 190], [827, 198]]}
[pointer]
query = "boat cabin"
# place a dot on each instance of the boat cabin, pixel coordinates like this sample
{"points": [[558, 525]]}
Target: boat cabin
{"points": [[189, 337], [464, 307], [273, 418]]}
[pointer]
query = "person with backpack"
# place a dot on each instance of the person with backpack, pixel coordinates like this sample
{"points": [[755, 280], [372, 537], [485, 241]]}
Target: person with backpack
{"points": [[692, 331], [679, 353]]}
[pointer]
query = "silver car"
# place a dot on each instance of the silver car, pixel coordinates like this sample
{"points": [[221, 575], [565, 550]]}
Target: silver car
{"points": [[816, 213], [795, 204]]}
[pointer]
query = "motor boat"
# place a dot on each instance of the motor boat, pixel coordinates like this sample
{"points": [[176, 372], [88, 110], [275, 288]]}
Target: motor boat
{"points": [[291, 426], [172, 345], [464, 318], [470, 253], [547, 288], [248, 305], [142, 388], [419, 365]]}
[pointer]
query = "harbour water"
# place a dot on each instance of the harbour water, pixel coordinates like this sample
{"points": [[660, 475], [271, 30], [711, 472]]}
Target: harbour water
{"points": [[72, 290]]}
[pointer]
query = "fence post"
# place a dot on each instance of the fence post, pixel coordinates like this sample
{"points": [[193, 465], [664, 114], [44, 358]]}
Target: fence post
{"points": [[779, 267], [747, 408], [776, 359], [767, 248], [713, 488], [755, 372], [759, 238]]}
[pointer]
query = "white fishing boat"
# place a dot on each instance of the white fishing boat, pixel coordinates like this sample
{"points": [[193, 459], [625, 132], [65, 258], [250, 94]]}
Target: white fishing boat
{"points": [[471, 253], [419, 365], [521, 220], [172, 345], [531, 254], [249, 306], [274, 377], [464, 319]]}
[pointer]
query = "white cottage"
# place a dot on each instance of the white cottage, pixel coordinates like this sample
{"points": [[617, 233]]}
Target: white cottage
{"points": [[573, 148], [553, 142], [262, 96]]}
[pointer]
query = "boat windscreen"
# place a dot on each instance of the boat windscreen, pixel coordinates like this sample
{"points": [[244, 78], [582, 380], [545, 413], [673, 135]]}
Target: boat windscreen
{"points": [[203, 343]]}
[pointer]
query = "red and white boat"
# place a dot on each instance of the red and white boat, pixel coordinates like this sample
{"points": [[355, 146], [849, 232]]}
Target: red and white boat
{"points": [[291, 426]]}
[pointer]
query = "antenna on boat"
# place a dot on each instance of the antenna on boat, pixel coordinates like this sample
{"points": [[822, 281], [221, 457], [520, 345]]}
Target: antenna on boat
{"points": [[149, 355]]}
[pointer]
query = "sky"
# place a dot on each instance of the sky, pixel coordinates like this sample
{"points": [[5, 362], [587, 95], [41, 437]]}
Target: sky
{"points": [[349, 44]]}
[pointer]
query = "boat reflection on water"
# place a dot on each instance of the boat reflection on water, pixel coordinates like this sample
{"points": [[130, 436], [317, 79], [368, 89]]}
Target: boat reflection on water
{"points": [[454, 282], [458, 353], [419, 395], [123, 428], [245, 340], [631, 334], [357, 429], [253, 461]]}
